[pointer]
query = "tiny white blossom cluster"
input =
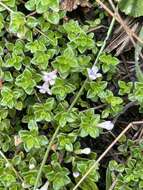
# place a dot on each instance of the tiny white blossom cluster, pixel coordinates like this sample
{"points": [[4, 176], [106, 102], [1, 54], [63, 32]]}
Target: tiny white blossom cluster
{"points": [[108, 125], [49, 80]]}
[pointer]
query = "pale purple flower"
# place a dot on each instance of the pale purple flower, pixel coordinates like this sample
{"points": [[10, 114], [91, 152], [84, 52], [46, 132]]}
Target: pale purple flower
{"points": [[45, 88], [93, 73], [49, 80], [50, 77], [108, 125]]}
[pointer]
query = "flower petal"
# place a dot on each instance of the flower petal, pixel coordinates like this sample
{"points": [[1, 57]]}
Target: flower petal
{"points": [[49, 91], [85, 151], [95, 69], [52, 82], [108, 125], [45, 186], [93, 73], [76, 174], [49, 77], [44, 88]]}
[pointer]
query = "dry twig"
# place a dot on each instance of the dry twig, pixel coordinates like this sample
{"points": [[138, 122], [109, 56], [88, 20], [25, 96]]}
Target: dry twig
{"points": [[123, 24], [106, 151]]}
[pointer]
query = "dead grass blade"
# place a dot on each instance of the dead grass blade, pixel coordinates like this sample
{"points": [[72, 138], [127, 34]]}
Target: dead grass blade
{"points": [[130, 33], [106, 151]]}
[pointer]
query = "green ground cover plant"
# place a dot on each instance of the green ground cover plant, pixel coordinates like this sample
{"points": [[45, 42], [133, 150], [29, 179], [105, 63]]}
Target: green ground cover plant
{"points": [[59, 87]]}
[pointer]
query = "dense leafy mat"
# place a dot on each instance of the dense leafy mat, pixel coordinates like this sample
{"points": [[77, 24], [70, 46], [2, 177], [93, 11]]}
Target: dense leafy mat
{"points": [[49, 80]]}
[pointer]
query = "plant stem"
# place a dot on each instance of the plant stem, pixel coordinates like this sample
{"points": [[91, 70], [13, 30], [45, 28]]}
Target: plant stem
{"points": [[6, 7], [97, 58], [105, 40], [45, 157], [78, 95], [120, 21]]}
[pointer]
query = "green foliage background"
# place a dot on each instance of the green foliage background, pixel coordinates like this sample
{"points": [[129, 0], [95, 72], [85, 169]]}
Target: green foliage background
{"points": [[44, 41]]}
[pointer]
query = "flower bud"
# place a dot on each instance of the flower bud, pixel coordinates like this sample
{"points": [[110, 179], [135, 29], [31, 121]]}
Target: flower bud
{"points": [[108, 125]]}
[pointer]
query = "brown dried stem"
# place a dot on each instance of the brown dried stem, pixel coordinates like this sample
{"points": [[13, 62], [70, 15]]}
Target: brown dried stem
{"points": [[106, 151], [119, 19]]}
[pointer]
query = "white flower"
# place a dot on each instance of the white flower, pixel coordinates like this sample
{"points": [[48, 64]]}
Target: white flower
{"points": [[85, 151], [31, 166], [76, 174], [50, 77], [45, 88], [45, 186], [108, 125], [93, 73]]}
